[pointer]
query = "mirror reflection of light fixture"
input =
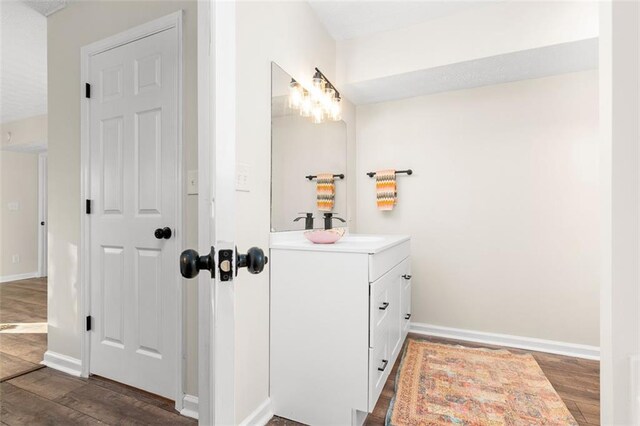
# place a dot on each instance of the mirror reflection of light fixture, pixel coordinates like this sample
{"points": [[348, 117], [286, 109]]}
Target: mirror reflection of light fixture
{"points": [[295, 94], [306, 105], [322, 100], [317, 113]]}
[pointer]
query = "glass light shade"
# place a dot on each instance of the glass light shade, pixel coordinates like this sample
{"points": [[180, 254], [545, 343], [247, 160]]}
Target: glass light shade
{"points": [[318, 83], [317, 87], [336, 110], [317, 114], [306, 105], [327, 99], [295, 94]]}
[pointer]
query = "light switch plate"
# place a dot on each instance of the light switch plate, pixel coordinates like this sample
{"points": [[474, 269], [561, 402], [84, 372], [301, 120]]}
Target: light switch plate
{"points": [[15, 258], [243, 177], [14, 205], [192, 182]]}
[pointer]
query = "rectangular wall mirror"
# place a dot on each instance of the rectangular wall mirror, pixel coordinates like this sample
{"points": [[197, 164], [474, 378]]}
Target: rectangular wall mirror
{"points": [[300, 148]]}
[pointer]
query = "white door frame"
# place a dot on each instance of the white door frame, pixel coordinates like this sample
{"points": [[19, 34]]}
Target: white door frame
{"points": [[173, 20], [216, 207], [43, 202]]}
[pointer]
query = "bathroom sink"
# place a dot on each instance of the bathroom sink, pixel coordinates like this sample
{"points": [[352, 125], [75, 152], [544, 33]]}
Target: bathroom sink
{"points": [[322, 236]]}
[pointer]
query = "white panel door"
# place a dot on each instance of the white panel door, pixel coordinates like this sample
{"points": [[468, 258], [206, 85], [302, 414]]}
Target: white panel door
{"points": [[134, 187]]}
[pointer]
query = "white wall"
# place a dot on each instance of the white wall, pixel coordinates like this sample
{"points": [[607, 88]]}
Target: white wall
{"points": [[620, 227], [502, 206], [26, 132], [289, 34], [483, 31], [18, 228], [79, 24], [302, 148]]}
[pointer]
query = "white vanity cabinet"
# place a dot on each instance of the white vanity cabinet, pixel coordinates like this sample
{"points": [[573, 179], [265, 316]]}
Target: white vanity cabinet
{"points": [[339, 316]]}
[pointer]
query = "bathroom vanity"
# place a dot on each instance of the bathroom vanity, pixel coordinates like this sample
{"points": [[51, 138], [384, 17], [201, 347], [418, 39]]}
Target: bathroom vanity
{"points": [[339, 316]]}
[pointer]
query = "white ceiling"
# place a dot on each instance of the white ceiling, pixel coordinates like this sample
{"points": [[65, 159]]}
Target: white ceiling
{"points": [[46, 7], [23, 61], [352, 19]]}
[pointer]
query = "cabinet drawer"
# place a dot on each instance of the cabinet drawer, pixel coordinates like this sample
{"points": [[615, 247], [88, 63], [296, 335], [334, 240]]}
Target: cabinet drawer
{"points": [[382, 262], [380, 365]]}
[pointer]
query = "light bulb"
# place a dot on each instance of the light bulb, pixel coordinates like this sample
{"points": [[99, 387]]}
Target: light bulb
{"points": [[306, 105], [317, 114], [295, 94], [336, 110]]}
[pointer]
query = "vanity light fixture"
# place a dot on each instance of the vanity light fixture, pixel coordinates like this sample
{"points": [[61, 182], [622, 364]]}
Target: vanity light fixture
{"points": [[322, 101]]}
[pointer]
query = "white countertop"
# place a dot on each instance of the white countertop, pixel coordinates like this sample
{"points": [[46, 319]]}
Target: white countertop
{"points": [[350, 243]]}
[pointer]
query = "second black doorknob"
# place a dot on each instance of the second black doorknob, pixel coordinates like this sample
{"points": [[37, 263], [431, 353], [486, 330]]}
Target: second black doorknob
{"points": [[163, 233]]}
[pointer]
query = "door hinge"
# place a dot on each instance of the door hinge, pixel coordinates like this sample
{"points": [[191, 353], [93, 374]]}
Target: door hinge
{"points": [[87, 90], [88, 207], [89, 322]]}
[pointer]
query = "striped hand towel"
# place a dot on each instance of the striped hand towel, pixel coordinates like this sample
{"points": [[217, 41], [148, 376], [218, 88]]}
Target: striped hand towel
{"points": [[386, 189], [326, 191]]}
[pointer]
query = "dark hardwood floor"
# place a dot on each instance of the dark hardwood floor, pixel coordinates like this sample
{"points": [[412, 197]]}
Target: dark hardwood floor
{"points": [[50, 397], [46, 396], [576, 380], [23, 333]]}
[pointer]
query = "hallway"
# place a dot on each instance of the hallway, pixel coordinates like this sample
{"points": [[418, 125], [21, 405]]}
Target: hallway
{"points": [[23, 326]]}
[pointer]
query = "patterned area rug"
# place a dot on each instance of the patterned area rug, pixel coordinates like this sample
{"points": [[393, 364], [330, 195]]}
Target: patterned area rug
{"points": [[441, 384]]}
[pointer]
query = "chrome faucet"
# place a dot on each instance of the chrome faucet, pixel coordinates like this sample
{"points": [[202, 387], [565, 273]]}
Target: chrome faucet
{"points": [[328, 220], [308, 220]]}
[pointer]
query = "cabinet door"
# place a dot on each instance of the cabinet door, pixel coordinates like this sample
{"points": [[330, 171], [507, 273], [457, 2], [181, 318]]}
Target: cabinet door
{"points": [[380, 365], [386, 310], [380, 307], [395, 320], [405, 300]]}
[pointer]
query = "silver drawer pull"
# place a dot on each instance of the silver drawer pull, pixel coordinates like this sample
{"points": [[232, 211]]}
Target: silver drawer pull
{"points": [[407, 316], [384, 365], [406, 277], [384, 306]]}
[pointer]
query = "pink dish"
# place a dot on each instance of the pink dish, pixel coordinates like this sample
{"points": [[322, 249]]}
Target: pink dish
{"points": [[324, 236]]}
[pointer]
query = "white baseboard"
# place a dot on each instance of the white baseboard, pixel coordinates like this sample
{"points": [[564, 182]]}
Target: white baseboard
{"points": [[260, 415], [528, 343], [63, 363], [18, 277], [190, 406]]}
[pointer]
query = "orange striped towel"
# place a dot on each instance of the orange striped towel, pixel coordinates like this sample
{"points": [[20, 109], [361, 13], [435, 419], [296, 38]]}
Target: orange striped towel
{"points": [[386, 189], [326, 191]]}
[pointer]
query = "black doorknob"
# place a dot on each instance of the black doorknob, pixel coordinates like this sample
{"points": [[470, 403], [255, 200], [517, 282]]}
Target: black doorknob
{"points": [[161, 233], [191, 263], [254, 260], [42, 223]]}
